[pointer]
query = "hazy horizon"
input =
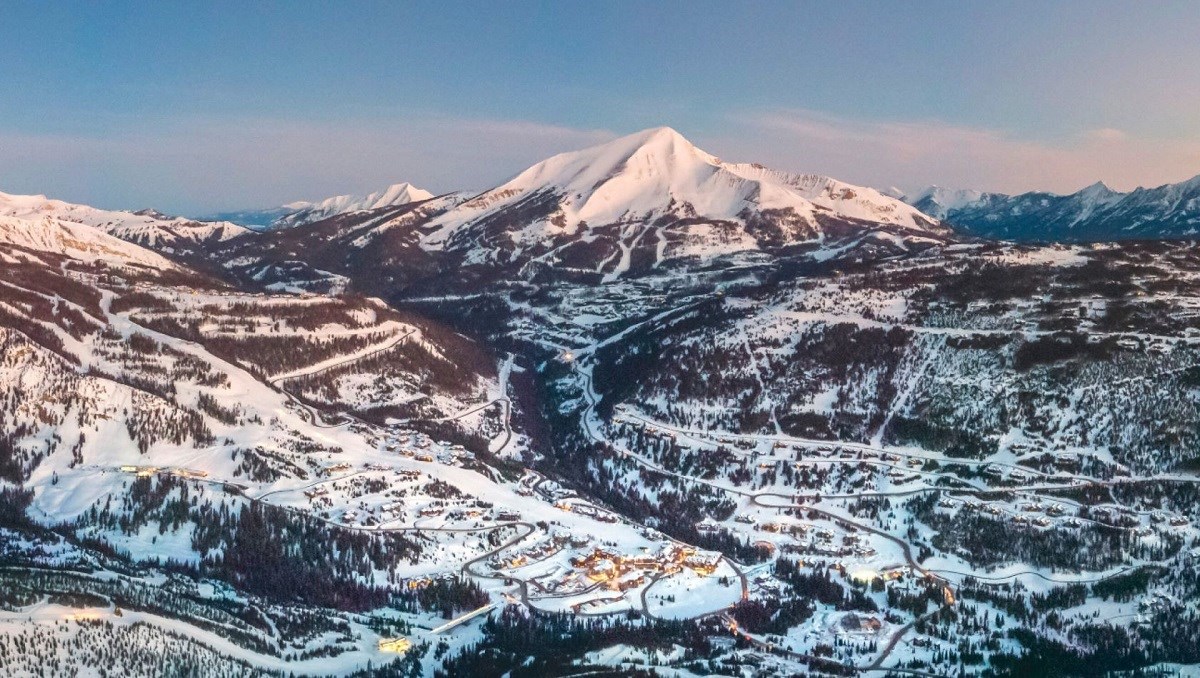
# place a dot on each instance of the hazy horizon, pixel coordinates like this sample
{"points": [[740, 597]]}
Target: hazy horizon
{"points": [[200, 109]]}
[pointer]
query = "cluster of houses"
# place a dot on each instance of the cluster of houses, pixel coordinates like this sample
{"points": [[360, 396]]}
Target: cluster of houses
{"points": [[620, 572], [147, 471], [853, 623], [397, 507], [1028, 517], [809, 539], [421, 447], [1039, 514], [535, 483], [532, 554], [588, 510]]}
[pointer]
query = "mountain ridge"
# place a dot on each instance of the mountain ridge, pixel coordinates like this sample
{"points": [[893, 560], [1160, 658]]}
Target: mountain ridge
{"points": [[301, 212], [1092, 214], [144, 227]]}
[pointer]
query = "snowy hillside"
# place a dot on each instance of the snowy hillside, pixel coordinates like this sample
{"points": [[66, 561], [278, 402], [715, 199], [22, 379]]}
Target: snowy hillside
{"points": [[75, 240], [147, 227], [939, 202]]}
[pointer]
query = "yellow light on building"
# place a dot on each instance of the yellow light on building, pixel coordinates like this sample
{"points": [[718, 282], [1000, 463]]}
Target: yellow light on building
{"points": [[395, 645], [865, 576]]}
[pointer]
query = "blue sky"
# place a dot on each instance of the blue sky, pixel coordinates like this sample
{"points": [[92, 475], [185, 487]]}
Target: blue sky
{"points": [[193, 107]]}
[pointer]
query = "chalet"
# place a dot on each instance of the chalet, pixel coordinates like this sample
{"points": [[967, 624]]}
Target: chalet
{"points": [[856, 623], [632, 582], [1067, 462], [703, 563]]}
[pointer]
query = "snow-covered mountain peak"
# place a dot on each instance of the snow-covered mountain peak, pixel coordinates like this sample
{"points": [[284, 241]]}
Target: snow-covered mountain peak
{"points": [[404, 192], [1098, 190], [938, 201], [657, 158], [657, 174]]}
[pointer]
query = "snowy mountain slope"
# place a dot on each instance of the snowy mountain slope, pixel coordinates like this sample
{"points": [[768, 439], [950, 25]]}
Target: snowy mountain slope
{"points": [[147, 227], [372, 251], [1095, 213], [79, 241], [131, 316], [655, 192], [939, 202]]}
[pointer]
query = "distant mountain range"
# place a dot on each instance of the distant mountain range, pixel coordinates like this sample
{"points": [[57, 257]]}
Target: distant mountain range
{"points": [[652, 195], [644, 203], [1096, 213], [657, 174], [297, 213]]}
